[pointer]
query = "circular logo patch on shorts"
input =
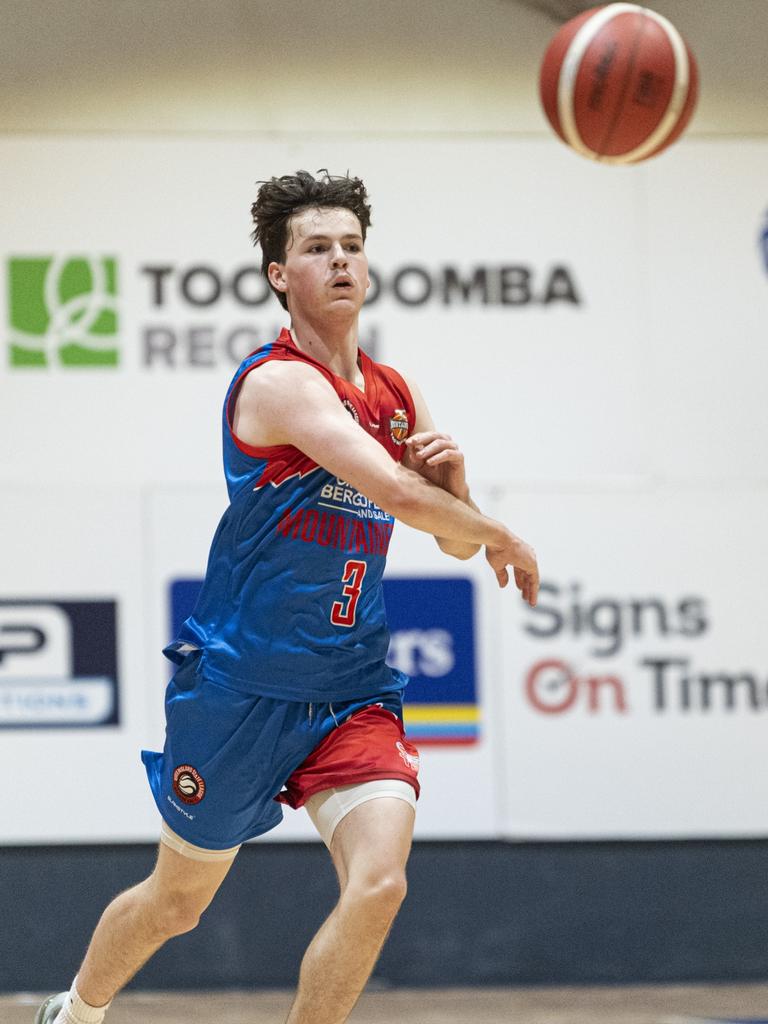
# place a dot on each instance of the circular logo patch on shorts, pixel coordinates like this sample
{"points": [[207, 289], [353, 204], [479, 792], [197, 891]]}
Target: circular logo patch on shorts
{"points": [[188, 784]]}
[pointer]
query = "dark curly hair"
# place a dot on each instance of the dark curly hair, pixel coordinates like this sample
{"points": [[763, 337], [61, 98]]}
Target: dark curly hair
{"points": [[279, 198]]}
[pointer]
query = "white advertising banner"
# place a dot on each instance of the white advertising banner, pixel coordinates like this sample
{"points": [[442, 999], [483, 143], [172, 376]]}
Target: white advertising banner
{"points": [[636, 692], [73, 696]]}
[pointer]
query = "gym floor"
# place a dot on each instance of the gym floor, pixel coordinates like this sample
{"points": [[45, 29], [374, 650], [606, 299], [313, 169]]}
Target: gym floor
{"points": [[642, 1005]]}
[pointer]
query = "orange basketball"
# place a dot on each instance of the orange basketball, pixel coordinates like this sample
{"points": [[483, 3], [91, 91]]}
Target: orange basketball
{"points": [[618, 83]]}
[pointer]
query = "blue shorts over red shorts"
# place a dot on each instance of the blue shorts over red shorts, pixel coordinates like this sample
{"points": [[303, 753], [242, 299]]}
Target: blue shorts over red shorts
{"points": [[231, 758]]}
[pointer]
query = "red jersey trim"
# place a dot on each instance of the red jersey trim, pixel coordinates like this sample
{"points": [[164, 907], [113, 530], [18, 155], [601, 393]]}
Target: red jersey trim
{"points": [[249, 449], [269, 451]]}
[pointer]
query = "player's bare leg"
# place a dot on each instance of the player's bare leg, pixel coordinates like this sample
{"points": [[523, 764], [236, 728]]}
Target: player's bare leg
{"points": [[370, 848], [140, 920]]}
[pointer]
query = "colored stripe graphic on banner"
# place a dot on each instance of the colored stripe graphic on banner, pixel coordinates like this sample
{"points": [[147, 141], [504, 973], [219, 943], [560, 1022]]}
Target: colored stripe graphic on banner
{"points": [[442, 723]]}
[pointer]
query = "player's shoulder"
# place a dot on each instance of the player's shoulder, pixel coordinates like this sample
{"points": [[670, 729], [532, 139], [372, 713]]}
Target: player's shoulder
{"points": [[282, 378]]}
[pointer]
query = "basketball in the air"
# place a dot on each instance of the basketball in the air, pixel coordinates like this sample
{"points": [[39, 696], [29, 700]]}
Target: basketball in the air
{"points": [[618, 83]]}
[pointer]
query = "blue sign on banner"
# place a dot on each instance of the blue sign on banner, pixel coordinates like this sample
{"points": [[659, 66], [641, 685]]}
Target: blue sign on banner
{"points": [[432, 626]]}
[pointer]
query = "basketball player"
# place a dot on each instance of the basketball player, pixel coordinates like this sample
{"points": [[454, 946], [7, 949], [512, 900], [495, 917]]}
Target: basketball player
{"points": [[282, 694]]}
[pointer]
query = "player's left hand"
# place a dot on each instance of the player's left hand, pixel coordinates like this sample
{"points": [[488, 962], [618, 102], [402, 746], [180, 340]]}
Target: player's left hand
{"points": [[437, 457]]}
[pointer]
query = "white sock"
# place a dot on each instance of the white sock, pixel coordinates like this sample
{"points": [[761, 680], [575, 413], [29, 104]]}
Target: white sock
{"points": [[76, 1011]]}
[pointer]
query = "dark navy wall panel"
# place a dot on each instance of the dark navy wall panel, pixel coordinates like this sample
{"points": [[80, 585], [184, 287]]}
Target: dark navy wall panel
{"points": [[476, 914]]}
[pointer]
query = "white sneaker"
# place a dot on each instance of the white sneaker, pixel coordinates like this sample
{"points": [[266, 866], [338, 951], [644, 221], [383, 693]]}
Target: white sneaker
{"points": [[50, 1009]]}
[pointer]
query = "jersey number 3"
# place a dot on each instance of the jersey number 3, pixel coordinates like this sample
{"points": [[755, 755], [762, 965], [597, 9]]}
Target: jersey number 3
{"points": [[343, 612]]}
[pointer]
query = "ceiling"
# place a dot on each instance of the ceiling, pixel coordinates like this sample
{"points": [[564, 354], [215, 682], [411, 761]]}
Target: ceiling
{"points": [[331, 66], [557, 10]]}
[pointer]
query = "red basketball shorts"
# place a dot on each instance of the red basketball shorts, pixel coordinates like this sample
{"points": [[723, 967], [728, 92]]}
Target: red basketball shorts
{"points": [[368, 745]]}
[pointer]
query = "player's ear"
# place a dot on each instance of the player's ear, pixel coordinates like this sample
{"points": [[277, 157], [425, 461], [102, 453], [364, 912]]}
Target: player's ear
{"points": [[276, 275]]}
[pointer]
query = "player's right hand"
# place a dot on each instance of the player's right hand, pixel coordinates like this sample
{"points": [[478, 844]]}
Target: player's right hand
{"points": [[522, 558]]}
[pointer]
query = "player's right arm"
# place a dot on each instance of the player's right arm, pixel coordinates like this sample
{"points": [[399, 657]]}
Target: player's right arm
{"points": [[291, 403]]}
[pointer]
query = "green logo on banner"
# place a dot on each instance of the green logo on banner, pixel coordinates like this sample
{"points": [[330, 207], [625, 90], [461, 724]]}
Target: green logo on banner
{"points": [[63, 311]]}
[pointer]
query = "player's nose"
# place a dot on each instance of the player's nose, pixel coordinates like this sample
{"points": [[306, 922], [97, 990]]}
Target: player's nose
{"points": [[338, 255]]}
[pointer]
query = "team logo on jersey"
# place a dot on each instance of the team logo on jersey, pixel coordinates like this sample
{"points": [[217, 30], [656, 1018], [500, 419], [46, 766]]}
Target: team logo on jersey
{"points": [[350, 409], [188, 784], [411, 760], [398, 426]]}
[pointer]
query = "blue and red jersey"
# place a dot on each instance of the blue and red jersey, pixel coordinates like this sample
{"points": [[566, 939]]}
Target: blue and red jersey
{"points": [[292, 604]]}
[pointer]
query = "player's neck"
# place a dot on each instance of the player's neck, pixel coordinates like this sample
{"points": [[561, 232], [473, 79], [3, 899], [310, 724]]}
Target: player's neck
{"points": [[333, 345]]}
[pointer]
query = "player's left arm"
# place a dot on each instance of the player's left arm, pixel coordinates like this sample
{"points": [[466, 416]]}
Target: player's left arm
{"points": [[437, 457]]}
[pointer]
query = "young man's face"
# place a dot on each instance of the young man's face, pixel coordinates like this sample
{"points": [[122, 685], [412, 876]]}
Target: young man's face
{"points": [[325, 273]]}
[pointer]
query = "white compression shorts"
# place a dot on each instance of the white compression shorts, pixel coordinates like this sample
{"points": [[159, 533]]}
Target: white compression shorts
{"points": [[328, 807]]}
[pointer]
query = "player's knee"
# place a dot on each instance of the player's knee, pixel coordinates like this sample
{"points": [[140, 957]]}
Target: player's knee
{"points": [[388, 890], [174, 913], [381, 893], [394, 889]]}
